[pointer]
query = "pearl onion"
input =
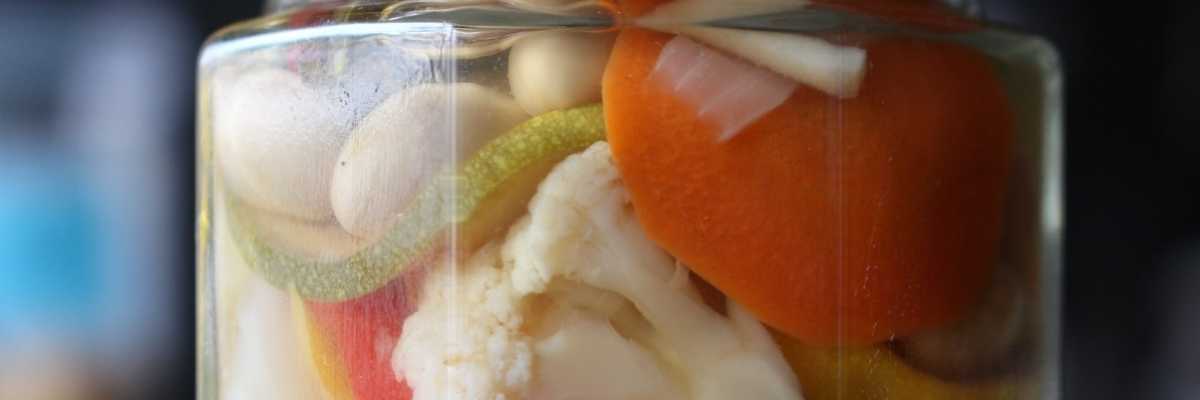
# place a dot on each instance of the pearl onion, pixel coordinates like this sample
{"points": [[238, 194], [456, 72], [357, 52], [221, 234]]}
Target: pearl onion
{"points": [[556, 70]]}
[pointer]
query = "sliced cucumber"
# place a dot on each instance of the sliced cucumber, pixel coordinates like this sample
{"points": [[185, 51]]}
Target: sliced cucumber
{"points": [[459, 211]]}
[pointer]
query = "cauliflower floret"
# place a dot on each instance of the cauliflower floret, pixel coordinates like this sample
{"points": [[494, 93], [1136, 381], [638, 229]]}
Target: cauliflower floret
{"points": [[464, 341], [582, 228], [591, 308], [587, 359]]}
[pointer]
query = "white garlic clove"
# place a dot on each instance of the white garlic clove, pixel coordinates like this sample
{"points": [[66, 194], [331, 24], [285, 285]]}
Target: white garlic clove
{"points": [[408, 138], [323, 241], [557, 70], [276, 140]]}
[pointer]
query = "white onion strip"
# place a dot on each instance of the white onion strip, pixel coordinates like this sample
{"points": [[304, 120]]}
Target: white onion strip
{"points": [[833, 69], [725, 91]]}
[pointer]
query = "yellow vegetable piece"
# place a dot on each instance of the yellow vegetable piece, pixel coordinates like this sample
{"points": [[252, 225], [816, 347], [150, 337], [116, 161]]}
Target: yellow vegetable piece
{"points": [[320, 353], [877, 373]]}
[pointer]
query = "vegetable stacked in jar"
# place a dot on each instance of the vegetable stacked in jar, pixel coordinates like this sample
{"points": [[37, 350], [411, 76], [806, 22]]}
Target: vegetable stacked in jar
{"points": [[663, 206]]}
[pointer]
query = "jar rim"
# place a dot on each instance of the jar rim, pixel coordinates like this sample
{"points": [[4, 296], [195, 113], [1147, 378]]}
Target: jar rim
{"points": [[969, 8], [276, 6]]}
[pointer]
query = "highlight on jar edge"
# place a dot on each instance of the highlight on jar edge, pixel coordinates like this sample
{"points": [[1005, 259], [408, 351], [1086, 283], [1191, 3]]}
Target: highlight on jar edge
{"points": [[634, 199]]}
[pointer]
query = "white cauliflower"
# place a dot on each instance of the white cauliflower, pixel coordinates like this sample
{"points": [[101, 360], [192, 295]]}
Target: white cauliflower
{"points": [[579, 304], [464, 341]]}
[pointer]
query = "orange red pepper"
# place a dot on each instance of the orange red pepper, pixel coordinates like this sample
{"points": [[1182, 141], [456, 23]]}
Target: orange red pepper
{"points": [[835, 221]]}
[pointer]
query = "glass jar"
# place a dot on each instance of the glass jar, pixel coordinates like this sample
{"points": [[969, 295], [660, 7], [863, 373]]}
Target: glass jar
{"points": [[633, 199]]}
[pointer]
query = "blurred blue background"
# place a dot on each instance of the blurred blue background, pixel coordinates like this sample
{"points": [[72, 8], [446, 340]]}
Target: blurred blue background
{"points": [[95, 191], [97, 284]]}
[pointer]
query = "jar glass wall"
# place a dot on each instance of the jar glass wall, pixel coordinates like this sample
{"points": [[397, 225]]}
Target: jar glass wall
{"points": [[627, 200]]}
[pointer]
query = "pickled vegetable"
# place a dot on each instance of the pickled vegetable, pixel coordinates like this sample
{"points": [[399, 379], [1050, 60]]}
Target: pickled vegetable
{"points": [[888, 228], [486, 193]]}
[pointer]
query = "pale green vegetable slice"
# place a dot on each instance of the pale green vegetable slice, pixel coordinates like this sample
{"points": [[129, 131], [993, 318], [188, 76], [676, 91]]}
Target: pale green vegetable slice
{"points": [[462, 209]]}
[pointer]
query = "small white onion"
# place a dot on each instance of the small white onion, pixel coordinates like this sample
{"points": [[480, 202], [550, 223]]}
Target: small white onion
{"points": [[556, 70]]}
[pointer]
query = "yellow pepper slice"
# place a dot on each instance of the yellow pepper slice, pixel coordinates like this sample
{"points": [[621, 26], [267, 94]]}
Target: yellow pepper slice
{"points": [[877, 373], [323, 360]]}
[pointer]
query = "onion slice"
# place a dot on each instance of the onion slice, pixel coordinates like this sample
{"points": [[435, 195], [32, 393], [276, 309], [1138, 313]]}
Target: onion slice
{"points": [[833, 69], [725, 91]]}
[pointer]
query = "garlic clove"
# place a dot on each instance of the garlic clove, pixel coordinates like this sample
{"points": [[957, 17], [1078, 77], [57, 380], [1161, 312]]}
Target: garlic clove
{"points": [[414, 134], [276, 140], [557, 70]]}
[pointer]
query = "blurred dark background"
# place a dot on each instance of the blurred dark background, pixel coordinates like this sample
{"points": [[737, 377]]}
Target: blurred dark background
{"points": [[104, 91]]}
